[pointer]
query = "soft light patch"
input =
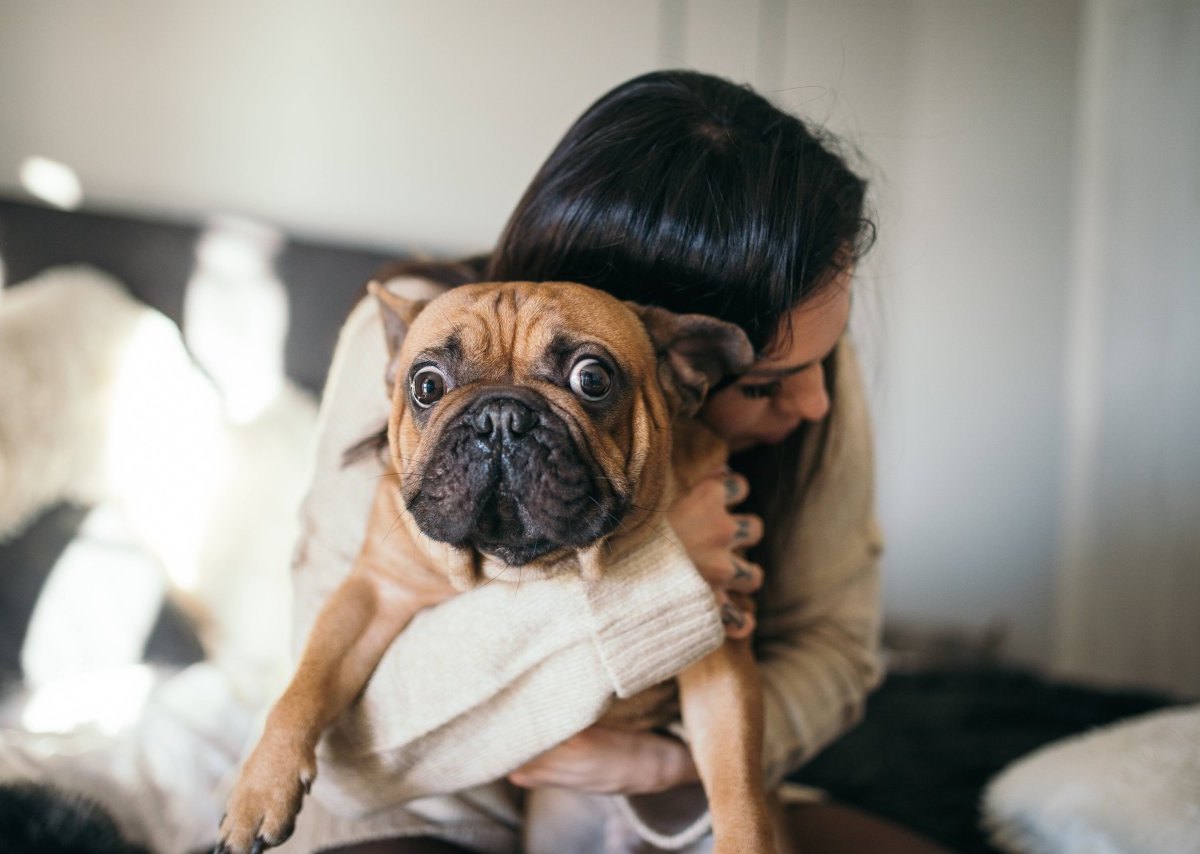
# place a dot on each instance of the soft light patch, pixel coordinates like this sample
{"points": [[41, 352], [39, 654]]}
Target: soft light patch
{"points": [[236, 314], [53, 182], [109, 700], [98, 604], [167, 453]]}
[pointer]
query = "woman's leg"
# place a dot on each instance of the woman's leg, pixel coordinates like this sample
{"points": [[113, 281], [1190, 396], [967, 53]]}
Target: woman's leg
{"points": [[410, 845], [825, 827], [832, 828]]}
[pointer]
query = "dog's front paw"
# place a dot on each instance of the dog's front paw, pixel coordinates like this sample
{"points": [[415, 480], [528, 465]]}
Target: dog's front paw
{"points": [[262, 808]]}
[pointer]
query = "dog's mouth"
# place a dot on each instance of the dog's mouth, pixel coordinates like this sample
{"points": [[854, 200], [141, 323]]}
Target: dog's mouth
{"points": [[500, 531], [516, 486]]}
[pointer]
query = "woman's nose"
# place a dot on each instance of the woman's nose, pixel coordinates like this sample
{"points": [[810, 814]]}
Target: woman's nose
{"points": [[804, 396]]}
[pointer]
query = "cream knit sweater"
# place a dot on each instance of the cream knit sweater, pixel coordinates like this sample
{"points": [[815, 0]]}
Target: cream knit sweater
{"points": [[483, 682]]}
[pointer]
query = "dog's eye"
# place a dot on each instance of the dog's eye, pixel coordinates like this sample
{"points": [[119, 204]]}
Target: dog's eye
{"points": [[427, 387], [591, 380]]}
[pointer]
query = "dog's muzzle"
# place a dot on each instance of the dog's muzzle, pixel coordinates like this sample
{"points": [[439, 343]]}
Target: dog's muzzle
{"points": [[508, 479]]}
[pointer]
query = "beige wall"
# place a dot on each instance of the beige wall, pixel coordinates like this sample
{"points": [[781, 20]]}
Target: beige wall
{"points": [[417, 124], [1130, 569], [971, 419], [396, 123]]}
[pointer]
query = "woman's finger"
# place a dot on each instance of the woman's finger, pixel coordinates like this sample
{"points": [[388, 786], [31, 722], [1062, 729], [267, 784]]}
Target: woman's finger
{"points": [[739, 623], [737, 488], [748, 530], [744, 576], [745, 602]]}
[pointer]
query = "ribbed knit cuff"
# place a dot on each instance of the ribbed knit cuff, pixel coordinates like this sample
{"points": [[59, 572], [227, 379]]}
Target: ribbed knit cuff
{"points": [[653, 615]]}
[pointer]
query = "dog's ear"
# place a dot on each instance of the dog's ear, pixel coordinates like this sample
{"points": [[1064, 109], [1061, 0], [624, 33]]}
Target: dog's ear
{"points": [[695, 352], [398, 315]]}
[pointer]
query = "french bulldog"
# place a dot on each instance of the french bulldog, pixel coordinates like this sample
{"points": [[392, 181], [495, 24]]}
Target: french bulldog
{"points": [[543, 426]]}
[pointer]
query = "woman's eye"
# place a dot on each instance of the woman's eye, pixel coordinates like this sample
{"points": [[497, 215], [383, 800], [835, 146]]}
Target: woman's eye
{"points": [[428, 386], [761, 390], [591, 380]]}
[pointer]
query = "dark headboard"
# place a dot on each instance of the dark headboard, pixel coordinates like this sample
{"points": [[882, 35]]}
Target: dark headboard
{"points": [[155, 258]]}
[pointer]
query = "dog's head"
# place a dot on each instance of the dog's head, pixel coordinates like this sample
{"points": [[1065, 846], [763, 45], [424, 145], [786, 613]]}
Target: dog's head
{"points": [[530, 421]]}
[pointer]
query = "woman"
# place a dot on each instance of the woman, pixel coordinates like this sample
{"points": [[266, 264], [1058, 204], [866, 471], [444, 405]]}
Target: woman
{"points": [[686, 191]]}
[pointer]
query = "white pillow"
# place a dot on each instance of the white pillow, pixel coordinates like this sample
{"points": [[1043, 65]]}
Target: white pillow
{"points": [[1129, 787]]}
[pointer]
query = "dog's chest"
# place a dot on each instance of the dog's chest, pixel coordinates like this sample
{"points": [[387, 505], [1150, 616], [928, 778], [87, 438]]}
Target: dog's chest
{"points": [[655, 707]]}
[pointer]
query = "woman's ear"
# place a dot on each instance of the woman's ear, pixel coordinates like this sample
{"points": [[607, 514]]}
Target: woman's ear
{"points": [[695, 352], [398, 315]]}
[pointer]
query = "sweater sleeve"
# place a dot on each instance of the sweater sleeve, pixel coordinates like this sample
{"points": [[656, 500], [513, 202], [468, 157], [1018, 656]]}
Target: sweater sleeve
{"points": [[819, 611], [485, 681]]}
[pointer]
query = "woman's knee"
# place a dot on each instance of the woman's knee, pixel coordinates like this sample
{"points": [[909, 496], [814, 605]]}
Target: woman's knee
{"points": [[833, 828]]}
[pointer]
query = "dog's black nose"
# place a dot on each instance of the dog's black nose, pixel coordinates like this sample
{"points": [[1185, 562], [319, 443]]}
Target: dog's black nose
{"points": [[504, 417]]}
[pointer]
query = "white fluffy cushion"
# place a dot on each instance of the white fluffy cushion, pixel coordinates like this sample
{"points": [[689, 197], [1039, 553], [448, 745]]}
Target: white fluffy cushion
{"points": [[62, 340], [1129, 788]]}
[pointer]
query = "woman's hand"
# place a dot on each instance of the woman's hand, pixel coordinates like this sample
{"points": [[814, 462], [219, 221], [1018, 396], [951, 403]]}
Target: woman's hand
{"points": [[611, 761], [715, 540]]}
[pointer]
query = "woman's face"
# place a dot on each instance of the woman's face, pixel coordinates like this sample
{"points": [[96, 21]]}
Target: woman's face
{"points": [[786, 387]]}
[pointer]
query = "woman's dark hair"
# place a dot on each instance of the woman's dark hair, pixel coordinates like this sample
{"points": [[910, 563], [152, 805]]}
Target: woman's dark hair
{"points": [[690, 192], [693, 193]]}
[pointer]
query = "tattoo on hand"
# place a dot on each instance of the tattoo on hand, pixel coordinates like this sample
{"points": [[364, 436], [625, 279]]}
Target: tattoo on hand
{"points": [[740, 572], [730, 615]]}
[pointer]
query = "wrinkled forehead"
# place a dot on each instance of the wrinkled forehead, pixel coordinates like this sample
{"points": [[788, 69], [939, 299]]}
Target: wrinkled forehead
{"points": [[522, 321]]}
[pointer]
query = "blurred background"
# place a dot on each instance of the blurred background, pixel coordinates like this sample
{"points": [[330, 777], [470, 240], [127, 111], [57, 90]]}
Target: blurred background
{"points": [[1029, 314]]}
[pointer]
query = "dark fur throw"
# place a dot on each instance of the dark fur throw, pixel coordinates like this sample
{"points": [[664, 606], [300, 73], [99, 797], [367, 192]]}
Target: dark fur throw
{"points": [[40, 819]]}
